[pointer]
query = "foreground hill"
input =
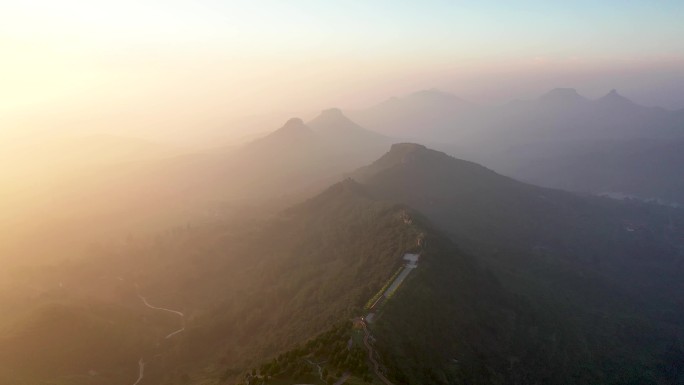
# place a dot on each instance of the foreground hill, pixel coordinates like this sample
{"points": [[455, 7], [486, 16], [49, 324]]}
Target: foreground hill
{"points": [[521, 285], [611, 268], [247, 289], [250, 291]]}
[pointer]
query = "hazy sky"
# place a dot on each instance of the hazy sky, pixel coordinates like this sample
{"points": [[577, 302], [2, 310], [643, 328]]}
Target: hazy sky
{"points": [[153, 68]]}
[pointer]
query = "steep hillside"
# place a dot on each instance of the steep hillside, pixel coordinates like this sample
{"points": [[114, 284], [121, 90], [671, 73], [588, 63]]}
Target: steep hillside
{"points": [[522, 285], [594, 261], [275, 171], [247, 288], [643, 169]]}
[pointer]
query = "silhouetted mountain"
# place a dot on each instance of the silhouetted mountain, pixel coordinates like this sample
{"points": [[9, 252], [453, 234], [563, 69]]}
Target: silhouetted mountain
{"points": [[563, 97], [559, 115], [283, 167], [418, 115], [302, 156], [292, 154], [293, 132], [297, 158], [520, 137], [614, 100], [467, 197], [334, 126], [348, 141]]}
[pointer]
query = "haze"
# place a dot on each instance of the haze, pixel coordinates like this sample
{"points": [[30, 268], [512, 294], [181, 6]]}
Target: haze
{"points": [[341, 193], [202, 70]]}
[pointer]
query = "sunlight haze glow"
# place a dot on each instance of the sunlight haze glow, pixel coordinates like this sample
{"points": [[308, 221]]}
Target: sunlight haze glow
{"points": [[160, 69]]}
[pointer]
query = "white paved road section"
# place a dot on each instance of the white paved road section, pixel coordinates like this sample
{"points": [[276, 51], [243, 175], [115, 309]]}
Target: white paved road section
{"points": [[412, 263], [412, 259]]}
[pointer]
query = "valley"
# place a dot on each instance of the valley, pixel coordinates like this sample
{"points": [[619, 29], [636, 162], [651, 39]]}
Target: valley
{"points": [[361, 242], [344, 256], [341, 193]]}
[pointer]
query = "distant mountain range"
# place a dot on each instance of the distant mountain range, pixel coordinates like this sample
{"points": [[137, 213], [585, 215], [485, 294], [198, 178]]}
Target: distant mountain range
{"points": [[609, 146], [555, 140], [561, 114]]}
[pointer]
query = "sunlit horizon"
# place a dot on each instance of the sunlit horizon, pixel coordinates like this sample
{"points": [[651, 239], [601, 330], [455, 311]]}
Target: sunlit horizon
{"points": [[162, 70]]}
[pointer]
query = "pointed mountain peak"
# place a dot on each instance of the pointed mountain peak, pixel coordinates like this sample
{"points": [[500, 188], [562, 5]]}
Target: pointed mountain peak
{"points": [[293, 130], [613, 98], [406, 148], [334, 125], [293, 125], [563, 95], [333, 113]]}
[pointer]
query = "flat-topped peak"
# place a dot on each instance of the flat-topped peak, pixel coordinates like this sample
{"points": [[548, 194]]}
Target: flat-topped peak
{"points": [[402, 153], [405, 148], [332, 112]]}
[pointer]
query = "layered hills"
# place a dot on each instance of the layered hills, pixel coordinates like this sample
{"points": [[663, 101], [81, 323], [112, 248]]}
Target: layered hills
{"points": [[560, 139]]}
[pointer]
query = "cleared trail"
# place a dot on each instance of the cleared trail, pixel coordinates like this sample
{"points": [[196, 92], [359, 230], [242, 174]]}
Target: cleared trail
{"points": [[342, 379], [376, 365]]}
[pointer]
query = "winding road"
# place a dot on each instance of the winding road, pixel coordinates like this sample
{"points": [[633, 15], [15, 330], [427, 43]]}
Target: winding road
{"points": [[180, 314], [320, 369], [141, 363], [376, 365]]}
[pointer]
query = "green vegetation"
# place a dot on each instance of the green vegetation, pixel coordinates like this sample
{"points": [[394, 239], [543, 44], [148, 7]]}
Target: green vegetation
{"points": [[333, 351], [382, 290], [526, 285], [544, 286], [249, 288]]}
